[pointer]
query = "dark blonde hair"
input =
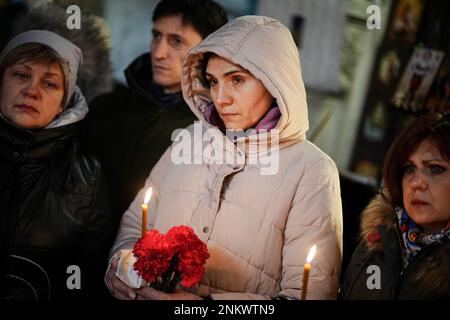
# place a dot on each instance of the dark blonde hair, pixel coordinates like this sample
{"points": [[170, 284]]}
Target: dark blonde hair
{"points": [[37, 53], [434, 127]]}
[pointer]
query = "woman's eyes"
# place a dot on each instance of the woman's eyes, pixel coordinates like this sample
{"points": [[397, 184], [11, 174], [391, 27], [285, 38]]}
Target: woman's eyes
{"points": [[433, 169], [436, 169], [238, 79], [409, 168], [234, 79], [21, 75], [49, 84], [175, 41], [212, 82]]}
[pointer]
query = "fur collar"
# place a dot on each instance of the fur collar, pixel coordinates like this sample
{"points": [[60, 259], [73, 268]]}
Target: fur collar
{"points": [[378, 213], [94, 75]]}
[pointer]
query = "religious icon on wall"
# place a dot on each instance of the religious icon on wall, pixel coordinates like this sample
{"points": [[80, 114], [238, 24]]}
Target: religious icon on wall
{"points": [[375, 123], [367, 168], [405, 21], [389, 67], [439, 96], [355, 40], [417, 79]]}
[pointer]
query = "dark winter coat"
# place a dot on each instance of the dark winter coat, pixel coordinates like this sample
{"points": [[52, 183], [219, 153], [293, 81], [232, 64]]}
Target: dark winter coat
{"points": [[53, 214], [427, 276], [129, 129]]}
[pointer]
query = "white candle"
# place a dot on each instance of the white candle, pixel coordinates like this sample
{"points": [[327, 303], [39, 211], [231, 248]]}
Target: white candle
{"points": [[307, 269], [147, 197]]}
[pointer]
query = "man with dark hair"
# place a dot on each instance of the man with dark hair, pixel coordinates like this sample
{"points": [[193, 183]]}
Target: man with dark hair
{"points": [[129, 129], [204, 16]]}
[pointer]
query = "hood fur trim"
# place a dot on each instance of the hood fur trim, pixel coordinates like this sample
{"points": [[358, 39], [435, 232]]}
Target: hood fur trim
{"points": [[94, 75], [378, 212]]}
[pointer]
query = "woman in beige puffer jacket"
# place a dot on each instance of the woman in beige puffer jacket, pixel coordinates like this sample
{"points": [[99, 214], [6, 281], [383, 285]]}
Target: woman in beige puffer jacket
{"points": [[260, 213]]}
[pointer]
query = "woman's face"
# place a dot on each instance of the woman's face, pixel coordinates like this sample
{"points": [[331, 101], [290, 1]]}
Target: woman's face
{"points": [[240, 99], [426, 187], [32, 94]]}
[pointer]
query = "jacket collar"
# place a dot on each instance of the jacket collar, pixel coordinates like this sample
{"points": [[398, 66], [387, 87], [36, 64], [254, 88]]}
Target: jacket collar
{"points": [[379, 213], [140, 80], [17, 144]]}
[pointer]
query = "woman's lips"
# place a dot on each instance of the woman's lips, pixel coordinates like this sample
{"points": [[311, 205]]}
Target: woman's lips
{"points": [[25, 108], [418, 203], [228, 114]]}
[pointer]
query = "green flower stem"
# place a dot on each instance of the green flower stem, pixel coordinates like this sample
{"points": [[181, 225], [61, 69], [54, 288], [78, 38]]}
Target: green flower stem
{"points": [[171, 277]]}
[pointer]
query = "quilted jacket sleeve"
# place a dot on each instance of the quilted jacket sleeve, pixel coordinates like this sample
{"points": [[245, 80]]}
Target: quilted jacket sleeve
{"points": [[315, 218]]}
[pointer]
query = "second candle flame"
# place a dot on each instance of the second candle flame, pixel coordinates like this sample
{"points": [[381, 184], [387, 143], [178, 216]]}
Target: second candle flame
{"points": [[311, 254], [148, 195]]}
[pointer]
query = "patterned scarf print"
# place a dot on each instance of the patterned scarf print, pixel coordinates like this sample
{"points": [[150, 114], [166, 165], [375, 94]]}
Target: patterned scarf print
{"points": [[414, 239]]}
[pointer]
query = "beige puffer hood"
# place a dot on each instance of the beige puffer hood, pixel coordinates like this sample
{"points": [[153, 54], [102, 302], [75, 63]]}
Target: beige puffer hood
{"points": [[241, 41]]}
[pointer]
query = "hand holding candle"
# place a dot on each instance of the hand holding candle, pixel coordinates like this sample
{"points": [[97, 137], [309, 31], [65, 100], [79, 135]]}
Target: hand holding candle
{"points": [[307, 269], [148, 195]]}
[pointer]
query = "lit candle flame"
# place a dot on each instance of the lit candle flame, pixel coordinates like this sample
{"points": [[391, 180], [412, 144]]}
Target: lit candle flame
{"points": [[311, 254], [148, 195]]}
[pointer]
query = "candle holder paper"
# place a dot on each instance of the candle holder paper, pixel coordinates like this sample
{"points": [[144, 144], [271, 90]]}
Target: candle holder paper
{"points": [[125, 270]]}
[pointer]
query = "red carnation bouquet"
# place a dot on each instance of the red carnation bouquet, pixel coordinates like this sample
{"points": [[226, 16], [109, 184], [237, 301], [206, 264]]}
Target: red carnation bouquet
{"points": [[165, 260]]}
